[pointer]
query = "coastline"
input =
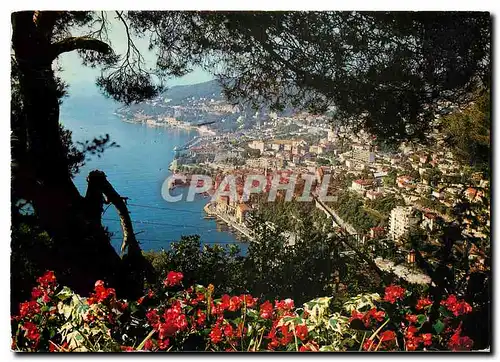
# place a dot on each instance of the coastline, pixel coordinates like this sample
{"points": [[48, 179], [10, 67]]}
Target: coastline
{"points": [[174, 123], [210, 211]]}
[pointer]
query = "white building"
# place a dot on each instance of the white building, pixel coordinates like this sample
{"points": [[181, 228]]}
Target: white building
{"points": [[363, 153], [257, 145], [332, 137], [318, 150], [361, 186], [373, 195], [402, 218]]}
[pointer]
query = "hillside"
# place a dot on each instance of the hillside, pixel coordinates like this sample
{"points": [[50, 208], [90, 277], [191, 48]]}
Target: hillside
{"points": [[181, 93], [195, 103]]}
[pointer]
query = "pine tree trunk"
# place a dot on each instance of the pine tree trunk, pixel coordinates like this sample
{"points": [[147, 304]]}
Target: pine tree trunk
{"points": [[84, 251]]}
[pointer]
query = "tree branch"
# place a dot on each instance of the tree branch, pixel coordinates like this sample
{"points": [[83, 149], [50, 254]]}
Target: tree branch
{"points": [[101, 186], [79, 43]]}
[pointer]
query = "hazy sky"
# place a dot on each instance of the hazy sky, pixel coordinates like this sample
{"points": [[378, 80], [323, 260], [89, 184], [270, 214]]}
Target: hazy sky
{"points": [[81, 79]]}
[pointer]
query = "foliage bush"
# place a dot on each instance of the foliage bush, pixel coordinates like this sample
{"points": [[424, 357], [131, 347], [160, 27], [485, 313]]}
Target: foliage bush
{"points": [[194, 319]]}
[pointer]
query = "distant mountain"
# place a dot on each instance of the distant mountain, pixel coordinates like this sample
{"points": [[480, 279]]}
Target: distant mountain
{"points": [[180, 93], [195, 103]]}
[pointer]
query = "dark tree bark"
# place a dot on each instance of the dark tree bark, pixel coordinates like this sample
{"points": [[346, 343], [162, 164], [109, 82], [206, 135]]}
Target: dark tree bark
{"points": [[41, 175]]}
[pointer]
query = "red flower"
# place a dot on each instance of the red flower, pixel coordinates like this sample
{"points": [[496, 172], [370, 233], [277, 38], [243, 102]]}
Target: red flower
{"points": [[457, 307], [200, 297], [32, 332], [148, 345], [423, 302], [234, 303], [101, 293], [28, 309], [356, 315], [173, 312], [163, 343], [301, 331], [368, 344], [377, 315], [249, 300], [181, 322], [412, 341], [225, 302], [173, 278], [228, 331], [273, 344], [36, 293], [201, 317], [166, 329], [367, 317], [426, 338], [411, 330], [47, 280], [412, 318], [149, 294], [266, 310], [52, 348], [393, 293], [152, 317], [386, 336], [284, 305], [458, 343], [450, 301], [287, 335], [127, 348], [461, 308], [122, 305], [215, 335]]}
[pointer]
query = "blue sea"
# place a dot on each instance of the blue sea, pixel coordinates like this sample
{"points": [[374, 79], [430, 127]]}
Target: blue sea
{"points": [[137, 170]]}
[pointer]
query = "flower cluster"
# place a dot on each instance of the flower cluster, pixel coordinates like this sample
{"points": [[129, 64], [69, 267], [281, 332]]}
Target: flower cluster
{"points": [[394, 293], [194, 318], [459, 343], [456, 306], [101, 293], [369, 317], [31, 313], [423, 303], [173, 279]]}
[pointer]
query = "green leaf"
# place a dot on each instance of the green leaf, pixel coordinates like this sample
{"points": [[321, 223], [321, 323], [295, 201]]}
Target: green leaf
{"points": [[332, 322], [64, 294], [438, 326], [421, 318]]}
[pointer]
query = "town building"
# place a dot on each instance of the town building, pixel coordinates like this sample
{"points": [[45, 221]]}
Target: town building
{"points": [[257, 145], [361, 186], [363, 153], [332, 136], [377, 232], [373, 195], [402, 218], [242, 212], [429, 221]]}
